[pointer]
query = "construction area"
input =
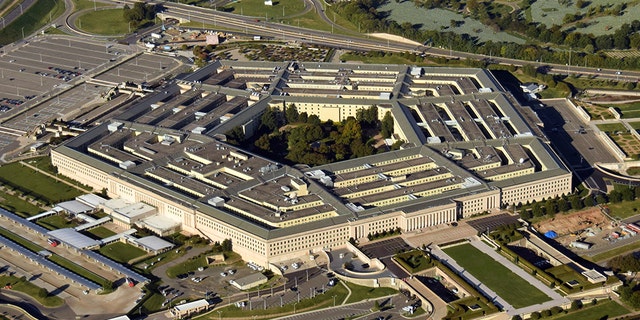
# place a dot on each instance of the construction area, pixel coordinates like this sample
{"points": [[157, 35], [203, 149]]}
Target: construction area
{"points": [[588, 231]]}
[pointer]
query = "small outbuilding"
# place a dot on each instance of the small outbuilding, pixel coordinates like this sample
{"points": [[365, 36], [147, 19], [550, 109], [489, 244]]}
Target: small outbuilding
{"points": [[190, 308], [250, 281]]}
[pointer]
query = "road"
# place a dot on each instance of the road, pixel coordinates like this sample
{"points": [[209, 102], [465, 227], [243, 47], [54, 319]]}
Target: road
{"points": [[16, 13], [357, 42]]}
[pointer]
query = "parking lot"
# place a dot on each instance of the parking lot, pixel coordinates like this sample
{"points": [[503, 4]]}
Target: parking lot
{"points": [[385, 248], [45, 78], [572, 136]]}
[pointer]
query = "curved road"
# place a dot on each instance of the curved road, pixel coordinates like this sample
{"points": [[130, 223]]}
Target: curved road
{"points": [[31, 306]]}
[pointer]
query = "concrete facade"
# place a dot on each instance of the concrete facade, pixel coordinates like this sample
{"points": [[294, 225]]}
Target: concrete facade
{"points": [[479, 156]]}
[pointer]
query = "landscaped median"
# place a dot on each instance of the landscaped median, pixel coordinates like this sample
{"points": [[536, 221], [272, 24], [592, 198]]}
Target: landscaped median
{"points": [[336, 294], [24, 286]]}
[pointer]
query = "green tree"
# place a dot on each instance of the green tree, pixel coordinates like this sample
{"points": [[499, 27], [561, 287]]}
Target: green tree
{"points": [[601, 199], [589, 201], [227, 246], [576, 305], [537, 210], [43, 293], [615, 196], [291, 113], [576, 202], [235, 135], [563, 205], [313, 119], [387, 125], [269, 120]]}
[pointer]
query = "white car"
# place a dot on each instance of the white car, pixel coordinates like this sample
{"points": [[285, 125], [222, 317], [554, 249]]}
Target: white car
{"points": [[224, 274]]}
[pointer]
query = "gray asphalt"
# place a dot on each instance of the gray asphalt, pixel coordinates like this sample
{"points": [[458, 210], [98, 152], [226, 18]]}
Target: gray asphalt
{"points": [[15, 13]]}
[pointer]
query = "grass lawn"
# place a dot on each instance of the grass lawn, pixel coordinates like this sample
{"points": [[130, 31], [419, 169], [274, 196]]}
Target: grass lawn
{"points": [[77, 269], [513, 289], [603, 310], [614, 252], [104, 22], [44, 164], [187, 266], [633, 171], [56, 222], [256, 8], [30, 289], [611, 127], [32, 19], [567, 274], [86, 4], [20, 240], [101, 232], [38, 185], [624, 209], [414, 261], [635, 125], [18, 206], [393, 59], [121, 252], [153, 303], [459, 309], [629, 110], [359, 293]]}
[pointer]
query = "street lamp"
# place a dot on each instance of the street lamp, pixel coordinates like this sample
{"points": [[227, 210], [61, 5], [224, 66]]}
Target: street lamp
{"points": [[294, 307], [334, 300], [219, 314]]}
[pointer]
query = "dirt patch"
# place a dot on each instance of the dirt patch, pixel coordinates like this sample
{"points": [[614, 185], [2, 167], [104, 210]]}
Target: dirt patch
{"points": [[570, 223]]}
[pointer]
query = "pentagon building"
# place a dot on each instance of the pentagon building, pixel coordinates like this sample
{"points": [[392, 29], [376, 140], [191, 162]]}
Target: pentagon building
{"points": [[469, 148]]}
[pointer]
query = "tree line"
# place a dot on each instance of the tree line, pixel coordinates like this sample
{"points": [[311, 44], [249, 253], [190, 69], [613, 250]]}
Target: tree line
{"points": [[587, 47], [139, 14]]}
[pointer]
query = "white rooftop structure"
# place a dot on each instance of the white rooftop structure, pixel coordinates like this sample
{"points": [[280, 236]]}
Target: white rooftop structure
{"points": [[154, 243], [191, 305], [74, 207], [127, 211], [594, 276], [91, 199], [159, 224], [135, 209], [73, 238]]}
